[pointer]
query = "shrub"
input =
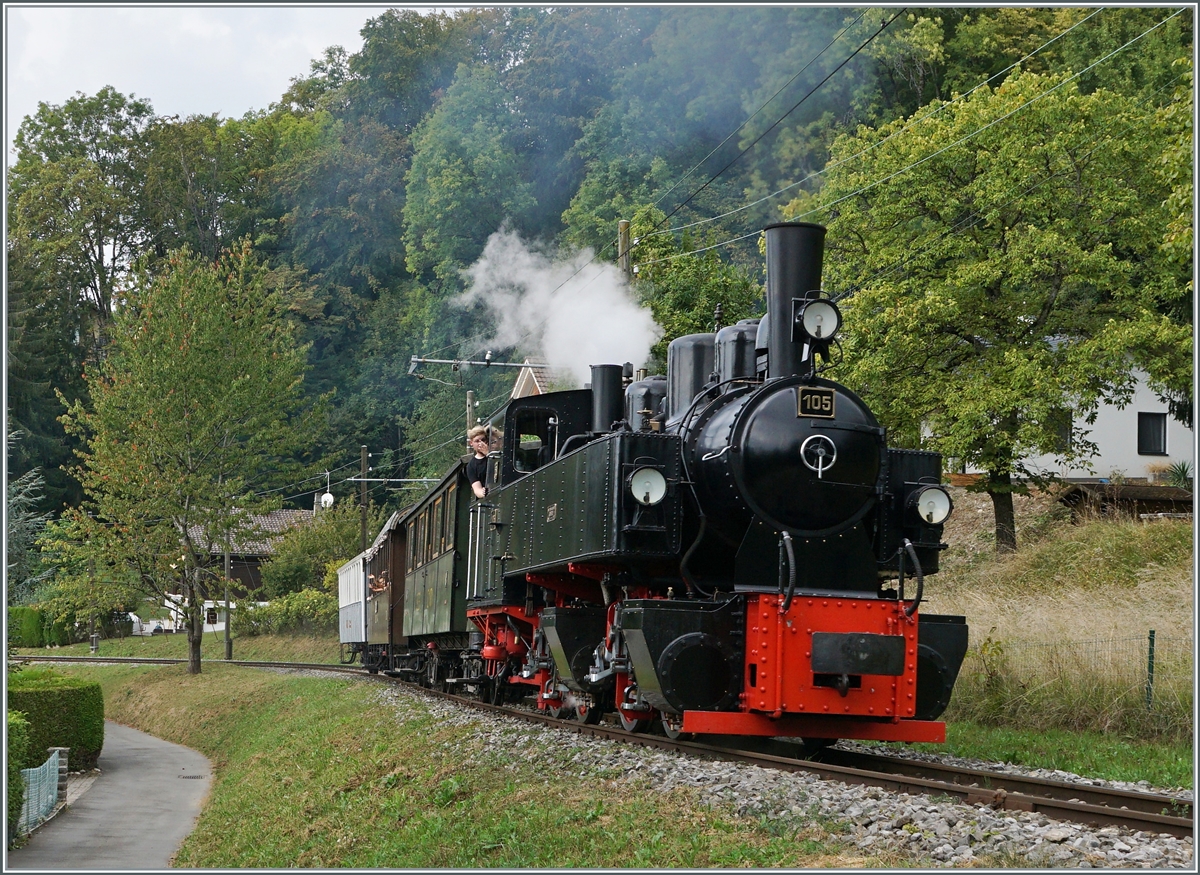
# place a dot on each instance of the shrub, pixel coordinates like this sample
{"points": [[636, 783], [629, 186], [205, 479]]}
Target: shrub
{"points": [[302, 553], [1180, 474], [17, 749], [31, 627], [25, 627], [307, 611], [62, 712]]}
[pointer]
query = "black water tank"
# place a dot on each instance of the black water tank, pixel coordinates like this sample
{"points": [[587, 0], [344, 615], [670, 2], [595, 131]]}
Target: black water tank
{"points": [[689, 367], [735, 356], [642, 400]]}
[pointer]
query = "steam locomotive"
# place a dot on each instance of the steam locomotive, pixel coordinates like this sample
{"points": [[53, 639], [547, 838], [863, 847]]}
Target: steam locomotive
{"points": [[731, 549]]}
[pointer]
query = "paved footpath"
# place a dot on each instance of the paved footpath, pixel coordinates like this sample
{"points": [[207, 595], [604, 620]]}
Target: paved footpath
{"points": [[134, 815]]}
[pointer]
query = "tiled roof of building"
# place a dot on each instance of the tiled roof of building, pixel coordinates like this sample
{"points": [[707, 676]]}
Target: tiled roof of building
{"points": [[533, 379], [260, 542]]}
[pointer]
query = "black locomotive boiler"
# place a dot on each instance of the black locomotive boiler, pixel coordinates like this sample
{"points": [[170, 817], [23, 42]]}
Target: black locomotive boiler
{"points": [[730, 549]]}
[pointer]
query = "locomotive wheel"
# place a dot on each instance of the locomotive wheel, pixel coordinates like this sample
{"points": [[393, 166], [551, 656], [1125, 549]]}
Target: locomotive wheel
{"points": [[588, 714], [672, 725], [633, 724], [557, 711]]}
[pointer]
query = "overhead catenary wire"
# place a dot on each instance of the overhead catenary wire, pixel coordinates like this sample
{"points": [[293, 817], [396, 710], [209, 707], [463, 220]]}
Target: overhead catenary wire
{"points": [[913, 122], [715, 176], [764, 105], [965, 138], [779, 120], [971, 221]]}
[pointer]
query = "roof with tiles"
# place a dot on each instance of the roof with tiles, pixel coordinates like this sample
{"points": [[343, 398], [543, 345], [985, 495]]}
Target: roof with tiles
{"points": [[267, 528]]}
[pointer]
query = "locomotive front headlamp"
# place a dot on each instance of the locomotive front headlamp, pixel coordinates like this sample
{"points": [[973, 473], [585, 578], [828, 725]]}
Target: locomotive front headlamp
{"points": [[932, 504], [648, 486], [820, 319]]}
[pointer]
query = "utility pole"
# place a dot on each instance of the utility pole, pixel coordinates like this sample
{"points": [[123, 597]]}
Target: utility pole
{"points": [[93, 638], [228, 640], [362, 496], [623, 248], [470, 409]]}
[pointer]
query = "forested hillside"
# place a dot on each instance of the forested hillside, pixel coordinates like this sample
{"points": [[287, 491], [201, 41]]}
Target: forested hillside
{"points": [[993, 179]]}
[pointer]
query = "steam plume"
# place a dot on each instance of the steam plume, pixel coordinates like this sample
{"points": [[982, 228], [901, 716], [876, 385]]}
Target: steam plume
{"points": [[570, 313]]}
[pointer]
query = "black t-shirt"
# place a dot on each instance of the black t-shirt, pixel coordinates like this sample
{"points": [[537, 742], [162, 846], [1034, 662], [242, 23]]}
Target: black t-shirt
{"points": [[477, 470]]}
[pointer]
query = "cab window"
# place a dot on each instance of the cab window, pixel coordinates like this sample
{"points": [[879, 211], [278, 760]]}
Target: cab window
{"points": [[534, 440]]}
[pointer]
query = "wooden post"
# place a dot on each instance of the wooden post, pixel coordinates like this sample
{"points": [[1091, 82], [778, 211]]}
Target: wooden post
{"points": [[228, 640], [362, 494], [470, 409], [623, 248]]}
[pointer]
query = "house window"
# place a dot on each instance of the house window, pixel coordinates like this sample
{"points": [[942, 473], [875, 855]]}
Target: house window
{"points": [[1152, 434], [211, 616], [1060, 423]]}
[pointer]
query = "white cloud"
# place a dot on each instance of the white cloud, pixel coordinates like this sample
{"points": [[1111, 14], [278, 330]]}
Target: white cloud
{"points": [[186, 60]]}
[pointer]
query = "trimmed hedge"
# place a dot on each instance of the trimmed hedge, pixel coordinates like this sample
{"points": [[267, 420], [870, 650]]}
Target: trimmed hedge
{"points": [[28, 627], [18, 750], [62, 712]]}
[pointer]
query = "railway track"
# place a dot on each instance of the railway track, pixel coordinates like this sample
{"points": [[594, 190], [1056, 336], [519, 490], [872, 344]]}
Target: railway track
{"points": [[1060, 800]]}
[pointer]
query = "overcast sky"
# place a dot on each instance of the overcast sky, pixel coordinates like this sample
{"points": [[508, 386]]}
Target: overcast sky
{"points": [[185, 59]]}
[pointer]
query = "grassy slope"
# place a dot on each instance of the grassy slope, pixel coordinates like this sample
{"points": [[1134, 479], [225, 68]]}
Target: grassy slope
{"points": [[315, 773], [282, 648]]}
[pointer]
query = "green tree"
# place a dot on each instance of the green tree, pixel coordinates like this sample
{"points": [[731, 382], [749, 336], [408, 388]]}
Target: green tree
{"points": [[206, 182], [23, 525], [684, 290], [1161, 342], [996, 258], [302, 553], [44, 356], [75, 197], [195, 410], [465, 179]]}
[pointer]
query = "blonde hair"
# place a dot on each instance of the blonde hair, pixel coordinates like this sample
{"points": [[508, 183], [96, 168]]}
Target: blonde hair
{"points": [[476, 431]]}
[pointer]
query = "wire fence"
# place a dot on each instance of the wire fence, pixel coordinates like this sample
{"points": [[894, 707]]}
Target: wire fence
{"points": [[1141, 683], [1137, 662], [41, 794]]}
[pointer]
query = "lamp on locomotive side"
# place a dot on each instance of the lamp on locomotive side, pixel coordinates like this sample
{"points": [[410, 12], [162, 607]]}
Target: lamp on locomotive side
{"points": [[648, 486], [933, 504], [819, 319]]}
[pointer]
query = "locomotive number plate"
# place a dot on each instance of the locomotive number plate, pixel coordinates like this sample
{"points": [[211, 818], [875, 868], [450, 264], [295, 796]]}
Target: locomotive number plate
{"points": [[815, 402]]}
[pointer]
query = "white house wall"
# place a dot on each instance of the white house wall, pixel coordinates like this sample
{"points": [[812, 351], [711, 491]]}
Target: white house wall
{"points": [[1115, 433]]}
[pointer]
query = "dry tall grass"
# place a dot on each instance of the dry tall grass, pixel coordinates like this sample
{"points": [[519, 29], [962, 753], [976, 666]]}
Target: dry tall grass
{"points": [[1098, 579], [1059, 631]]}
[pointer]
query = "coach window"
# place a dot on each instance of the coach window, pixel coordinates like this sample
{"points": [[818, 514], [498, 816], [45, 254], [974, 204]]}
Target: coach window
{"points": [[411, 547], [423, 536], [1152, 434], [430, 541], [439, 525], [451, 509]]}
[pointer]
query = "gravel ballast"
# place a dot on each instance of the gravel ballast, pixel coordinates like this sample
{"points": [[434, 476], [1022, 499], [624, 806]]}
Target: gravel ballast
{"points": [[866, 820]]}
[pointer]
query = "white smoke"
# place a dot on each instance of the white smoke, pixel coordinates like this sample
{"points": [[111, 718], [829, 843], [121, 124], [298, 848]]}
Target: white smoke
{"points": [[568, 310]]}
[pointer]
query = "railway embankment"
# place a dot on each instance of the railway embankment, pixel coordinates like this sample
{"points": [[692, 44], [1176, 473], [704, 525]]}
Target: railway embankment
{"points": [[313, 771]]}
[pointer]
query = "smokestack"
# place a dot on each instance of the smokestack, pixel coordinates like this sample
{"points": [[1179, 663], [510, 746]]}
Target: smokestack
{"points": [[795, 251], [608, 396]]}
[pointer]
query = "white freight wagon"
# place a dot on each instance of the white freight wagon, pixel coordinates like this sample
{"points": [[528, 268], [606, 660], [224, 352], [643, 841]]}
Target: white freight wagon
{"points": [[352, 601]]}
